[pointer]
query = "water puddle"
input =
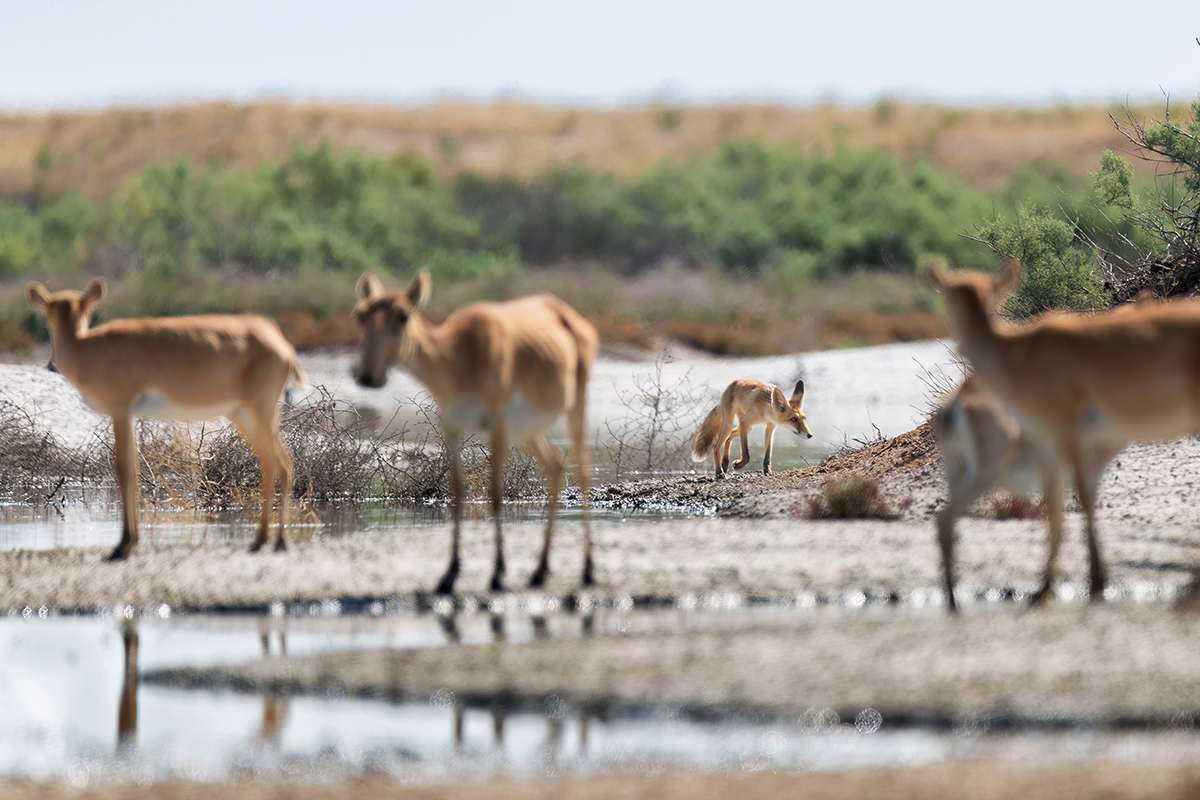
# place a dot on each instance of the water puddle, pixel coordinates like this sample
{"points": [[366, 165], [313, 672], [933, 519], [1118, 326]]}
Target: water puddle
{"points": [[73, 705], [92, 518]]}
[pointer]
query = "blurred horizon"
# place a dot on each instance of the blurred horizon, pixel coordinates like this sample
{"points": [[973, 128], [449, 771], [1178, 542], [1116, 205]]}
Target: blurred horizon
{"points": [[70, 54]]}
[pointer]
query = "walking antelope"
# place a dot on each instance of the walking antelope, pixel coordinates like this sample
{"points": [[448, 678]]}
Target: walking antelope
{"points": [[175, 368], [744, 404], [1083, 385], [508, 369]]}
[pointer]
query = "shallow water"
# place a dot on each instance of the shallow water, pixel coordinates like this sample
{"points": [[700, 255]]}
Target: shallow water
{"points": [[71, 710], [93, 519]]}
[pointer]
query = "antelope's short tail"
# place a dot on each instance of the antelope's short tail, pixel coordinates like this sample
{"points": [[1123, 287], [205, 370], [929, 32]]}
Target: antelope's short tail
{"points": [[706, 437]]}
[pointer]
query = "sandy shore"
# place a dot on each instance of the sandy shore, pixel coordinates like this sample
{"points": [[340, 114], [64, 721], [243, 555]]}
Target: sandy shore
{"points": [[1148, 778]]}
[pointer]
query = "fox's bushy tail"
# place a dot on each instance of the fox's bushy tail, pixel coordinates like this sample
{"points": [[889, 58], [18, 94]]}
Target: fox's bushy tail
{"points": [[706, 437]]}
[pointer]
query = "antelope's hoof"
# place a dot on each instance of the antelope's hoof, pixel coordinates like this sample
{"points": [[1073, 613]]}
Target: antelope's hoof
{"points": [[538, 579], [1043, 596]]}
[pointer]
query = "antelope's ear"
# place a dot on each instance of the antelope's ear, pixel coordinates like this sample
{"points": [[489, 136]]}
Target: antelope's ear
{"points": [[1008, 278], [368, 286], [94, 293], [798, 394], [418, 290], [37, 295], [935, 274]]}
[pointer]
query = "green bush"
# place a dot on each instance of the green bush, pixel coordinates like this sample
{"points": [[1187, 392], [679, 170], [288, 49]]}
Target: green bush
{"points": [[1059, 272]]}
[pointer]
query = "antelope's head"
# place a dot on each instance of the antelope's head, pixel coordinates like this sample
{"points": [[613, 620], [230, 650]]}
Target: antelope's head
{"points": [[971, 297], [68, 313], [384, 317], [790, 411]]}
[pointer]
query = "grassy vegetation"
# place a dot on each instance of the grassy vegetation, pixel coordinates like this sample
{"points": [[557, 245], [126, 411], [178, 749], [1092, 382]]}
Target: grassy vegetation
{"points": [[714, 226]]}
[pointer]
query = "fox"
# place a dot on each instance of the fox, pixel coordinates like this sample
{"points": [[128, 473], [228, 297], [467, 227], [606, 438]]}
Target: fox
{"points": [[744, 404]]}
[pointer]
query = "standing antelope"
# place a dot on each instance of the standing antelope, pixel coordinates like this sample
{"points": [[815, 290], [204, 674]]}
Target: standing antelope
{"points": [[508, 369], [177, 368], [1083, 386], [744, 404], [983, 448]]}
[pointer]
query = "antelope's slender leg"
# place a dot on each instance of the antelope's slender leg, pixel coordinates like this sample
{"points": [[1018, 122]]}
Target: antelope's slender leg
{"points": [[126, 455], [499, 456], [552, 464], [453, 442]]}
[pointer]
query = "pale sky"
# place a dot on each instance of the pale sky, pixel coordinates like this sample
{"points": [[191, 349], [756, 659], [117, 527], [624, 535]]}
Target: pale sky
{"points": [[69, 53]]}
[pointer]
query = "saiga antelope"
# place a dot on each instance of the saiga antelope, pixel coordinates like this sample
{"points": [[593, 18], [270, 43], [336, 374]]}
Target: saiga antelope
{"points": [[1084, 386], [744, 404], [983, 448], [175, 368], [507, 369]]}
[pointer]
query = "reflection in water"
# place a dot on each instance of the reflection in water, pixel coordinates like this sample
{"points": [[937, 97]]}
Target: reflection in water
{"points": [[54, 728], [275, 706], [127, 706], [92, 518]]}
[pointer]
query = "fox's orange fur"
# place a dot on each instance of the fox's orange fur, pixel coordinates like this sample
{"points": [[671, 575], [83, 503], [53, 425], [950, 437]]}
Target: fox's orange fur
{"points": [[508, 369], [176, 368], [744, 404], [1084, 386]]}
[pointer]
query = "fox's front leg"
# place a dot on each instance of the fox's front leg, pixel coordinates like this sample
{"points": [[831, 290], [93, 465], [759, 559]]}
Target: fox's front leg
{"points": [[743, 433], [769, 441]]}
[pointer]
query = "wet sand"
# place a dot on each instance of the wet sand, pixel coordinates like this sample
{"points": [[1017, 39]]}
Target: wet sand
{"points": [[1157, 778]]}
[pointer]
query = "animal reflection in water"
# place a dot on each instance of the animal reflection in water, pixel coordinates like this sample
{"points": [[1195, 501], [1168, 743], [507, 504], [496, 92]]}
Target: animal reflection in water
{"points": [[555, 709], [275, 706], [508, 369]]}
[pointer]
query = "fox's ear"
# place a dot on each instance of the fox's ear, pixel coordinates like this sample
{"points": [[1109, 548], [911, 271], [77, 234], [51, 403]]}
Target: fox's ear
{"points": [[37, 295], [798, 394]]}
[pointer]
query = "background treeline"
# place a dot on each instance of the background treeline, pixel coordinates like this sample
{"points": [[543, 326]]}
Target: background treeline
{"points": [[729, 249], [751, 208]]}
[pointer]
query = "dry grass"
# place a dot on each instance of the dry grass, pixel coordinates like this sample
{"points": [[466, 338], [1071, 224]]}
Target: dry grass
{"points": [[1003, 505], [854, 498], [94, 151], [338, 457]]}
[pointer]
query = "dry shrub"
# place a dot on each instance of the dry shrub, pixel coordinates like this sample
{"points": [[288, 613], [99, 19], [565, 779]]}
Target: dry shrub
{"points": [[306, 332], [876, 328], [416, 466], [855, 498], [1003, 505], [664, 414], [622, 330], [724, 340], [333, 456], [33, 462], [336, 452]]}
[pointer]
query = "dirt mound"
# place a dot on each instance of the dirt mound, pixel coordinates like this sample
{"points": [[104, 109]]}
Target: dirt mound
{"points": [[907, 464]]}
